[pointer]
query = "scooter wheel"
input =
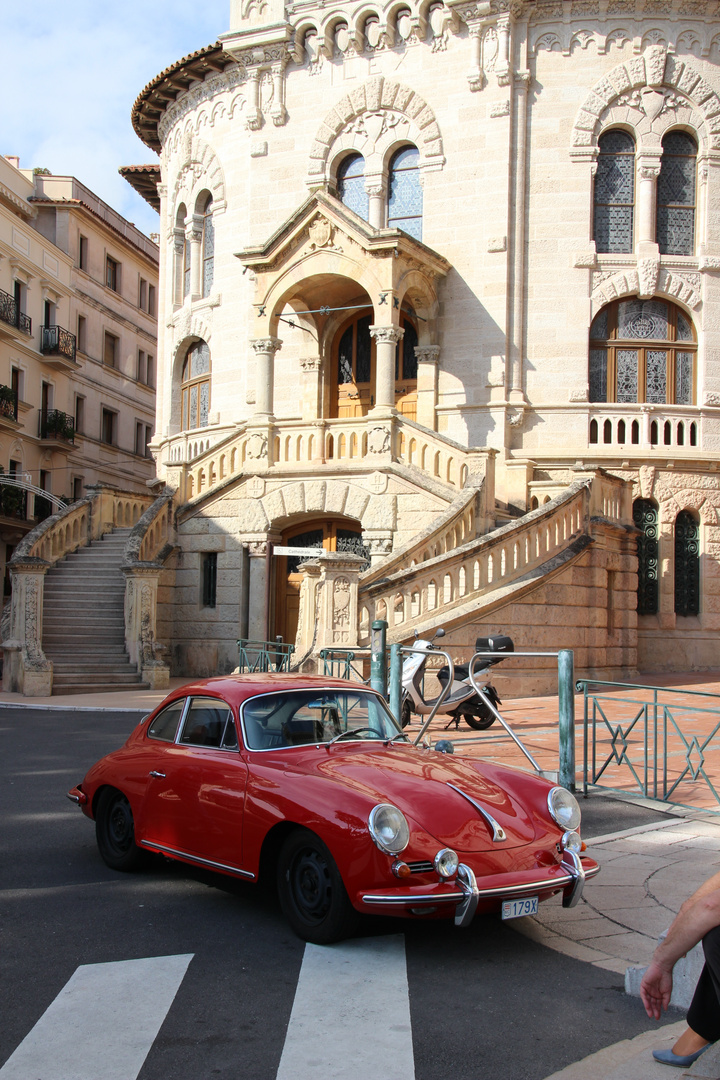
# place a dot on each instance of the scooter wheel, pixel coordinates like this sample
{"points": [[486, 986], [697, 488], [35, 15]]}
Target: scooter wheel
{"points": [[479, 723], [405, 713]]}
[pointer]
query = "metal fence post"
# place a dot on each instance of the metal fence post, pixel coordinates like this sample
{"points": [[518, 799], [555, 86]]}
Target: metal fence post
{"points": [[566, 718], [396, 682], [378, 656]]}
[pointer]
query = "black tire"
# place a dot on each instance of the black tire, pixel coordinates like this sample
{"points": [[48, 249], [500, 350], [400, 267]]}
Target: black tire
{"points": [[480, 723], [115, 832], [311, 891], [405, 713]]}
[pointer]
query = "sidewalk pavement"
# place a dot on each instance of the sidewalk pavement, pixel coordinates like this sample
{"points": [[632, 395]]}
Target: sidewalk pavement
{"points": [[647, 872]]}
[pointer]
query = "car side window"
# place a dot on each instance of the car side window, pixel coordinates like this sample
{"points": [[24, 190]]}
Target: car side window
{"points": [[164, 726], [209, 722]]}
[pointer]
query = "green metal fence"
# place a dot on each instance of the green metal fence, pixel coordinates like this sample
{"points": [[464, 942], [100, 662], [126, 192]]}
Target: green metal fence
{"points": [[264, 655], [661, 740]]}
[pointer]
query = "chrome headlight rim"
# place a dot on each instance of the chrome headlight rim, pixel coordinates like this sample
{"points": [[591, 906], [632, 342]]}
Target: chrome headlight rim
{"points": [[379, 818], [446, 863], [567, 814]]}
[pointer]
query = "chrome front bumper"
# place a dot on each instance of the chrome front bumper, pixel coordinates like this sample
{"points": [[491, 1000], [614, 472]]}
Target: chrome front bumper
{"points": [[466, 894]]}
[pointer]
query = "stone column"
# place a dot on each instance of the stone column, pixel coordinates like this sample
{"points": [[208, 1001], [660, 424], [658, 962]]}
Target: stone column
{"points": [[311, 385], [377, 194], [257, 589], [265, 349], [328, 603], [475, 74], [428, 357], [648, 172], [141, 586], [386, 339], [253, 113], [26, 669], [177, 275], [502, 64], [278, 110], [194, 237]]}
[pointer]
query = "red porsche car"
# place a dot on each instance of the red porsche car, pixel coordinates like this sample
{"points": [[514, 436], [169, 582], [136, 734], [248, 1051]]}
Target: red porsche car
{"points": [[311, 779]]}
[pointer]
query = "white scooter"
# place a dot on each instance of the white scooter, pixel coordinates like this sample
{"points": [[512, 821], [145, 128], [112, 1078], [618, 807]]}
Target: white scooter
{"points": [[462, 701]]}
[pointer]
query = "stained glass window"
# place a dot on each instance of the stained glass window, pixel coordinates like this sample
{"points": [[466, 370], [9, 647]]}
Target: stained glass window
{"points": [[634, 354], [676, 195], [351, 185], [196, 386], [406, 348], [405, 197], [614, 192], [355, 352], [687, 564], [208, 249], [645, 517]]}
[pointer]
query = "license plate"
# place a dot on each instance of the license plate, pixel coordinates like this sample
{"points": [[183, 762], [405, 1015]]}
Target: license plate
{"points": [[514, 909]]}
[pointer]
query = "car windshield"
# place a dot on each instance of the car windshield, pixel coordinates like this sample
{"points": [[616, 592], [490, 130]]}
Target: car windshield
{"points": [[299, 717]]}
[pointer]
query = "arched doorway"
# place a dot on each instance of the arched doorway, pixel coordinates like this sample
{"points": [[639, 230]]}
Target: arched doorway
{"points": [[352, 390], [331, 534]]}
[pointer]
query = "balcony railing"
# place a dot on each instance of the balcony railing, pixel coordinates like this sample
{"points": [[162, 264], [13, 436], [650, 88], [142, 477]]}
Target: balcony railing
{"points": [[56, 341], [11, 314], [56, 425], [8, 402]]}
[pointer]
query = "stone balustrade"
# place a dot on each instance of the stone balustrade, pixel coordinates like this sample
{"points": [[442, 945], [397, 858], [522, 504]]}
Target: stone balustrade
{"points": [[647, 428], [439, 588]]}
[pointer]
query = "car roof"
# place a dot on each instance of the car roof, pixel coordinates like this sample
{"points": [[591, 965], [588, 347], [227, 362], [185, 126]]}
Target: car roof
{"points": [[238, 688]]}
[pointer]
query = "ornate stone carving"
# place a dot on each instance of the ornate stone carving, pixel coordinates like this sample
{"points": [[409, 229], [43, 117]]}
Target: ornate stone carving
{"points": [[585, 260], [646, 477], [709, 263], [648, 270], [341, 604], [502, 108], [222, 93], [378, 440], [255, 487], [256, 446], [311, 363], [386, 335], [579, 394], [712, 399], [427, 354], [266, 345], [321, 233]]}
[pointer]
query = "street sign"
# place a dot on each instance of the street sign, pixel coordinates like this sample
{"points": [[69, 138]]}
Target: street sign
{"points": [[308, 552]]}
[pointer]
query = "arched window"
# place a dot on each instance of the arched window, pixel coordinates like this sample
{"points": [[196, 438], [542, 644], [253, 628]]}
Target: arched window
{"points": [[687, 564], [405, 197], [196, 386], [614, 192], [642, 350], [182, 256], [645, 517], [208, 248], [351, 185], [676, 195]]}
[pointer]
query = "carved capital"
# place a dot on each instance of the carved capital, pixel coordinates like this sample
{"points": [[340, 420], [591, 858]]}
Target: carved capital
{"points": [[387, 335], [311, 363], [427, 354], [649, 170], [268, 345]]}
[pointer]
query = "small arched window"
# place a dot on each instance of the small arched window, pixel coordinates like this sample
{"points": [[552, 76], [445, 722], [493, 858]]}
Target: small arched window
{"points": [[196, 386], [208, 248], [642, 350], [687, 564], [645, 517], [351, 185], [676, 195], [614, 192], [405, 196]]}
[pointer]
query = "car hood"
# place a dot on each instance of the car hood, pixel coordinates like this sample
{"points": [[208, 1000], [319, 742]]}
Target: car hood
{"points": [[418, 783]]}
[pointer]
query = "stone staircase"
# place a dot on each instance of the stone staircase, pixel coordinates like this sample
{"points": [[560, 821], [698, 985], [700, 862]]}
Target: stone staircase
{"points": [[84, 622]]}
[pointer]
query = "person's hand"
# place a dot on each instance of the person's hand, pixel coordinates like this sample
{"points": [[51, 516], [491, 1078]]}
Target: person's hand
{"points": [[655, 990]]}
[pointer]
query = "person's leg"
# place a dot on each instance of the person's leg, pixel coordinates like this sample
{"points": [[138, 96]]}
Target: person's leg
{"points": [[704, 1012]]}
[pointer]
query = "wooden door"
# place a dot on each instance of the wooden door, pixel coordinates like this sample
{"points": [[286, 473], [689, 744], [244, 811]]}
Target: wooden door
{"points": [[354, 368], [406, 372]]}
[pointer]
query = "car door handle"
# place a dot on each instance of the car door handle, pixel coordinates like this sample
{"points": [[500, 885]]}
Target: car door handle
{"points": [[160, 775]]}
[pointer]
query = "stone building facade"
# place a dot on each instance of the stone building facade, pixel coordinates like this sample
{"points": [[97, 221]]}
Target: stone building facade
{"points": [[439, 286], [78, 348]]}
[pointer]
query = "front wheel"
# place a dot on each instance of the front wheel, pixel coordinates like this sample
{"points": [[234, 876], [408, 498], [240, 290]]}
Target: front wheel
{"points": [[115, 832], [405, 713], [311, 892]]}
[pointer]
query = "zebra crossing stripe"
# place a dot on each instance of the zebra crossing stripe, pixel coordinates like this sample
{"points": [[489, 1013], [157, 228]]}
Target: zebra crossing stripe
{"points": [[102, 1023], [351, 1015]]}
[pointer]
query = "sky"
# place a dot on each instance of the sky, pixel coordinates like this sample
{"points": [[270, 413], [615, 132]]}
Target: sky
{"points": [[70, 72]]}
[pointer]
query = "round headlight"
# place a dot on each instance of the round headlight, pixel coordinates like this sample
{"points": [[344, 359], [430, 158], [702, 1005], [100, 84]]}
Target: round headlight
{"points": [[389, 828], [446, 862], [564, 808]]}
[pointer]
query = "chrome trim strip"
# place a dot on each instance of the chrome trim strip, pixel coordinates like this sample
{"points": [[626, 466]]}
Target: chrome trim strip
{"points": [[498, 833], [440, 898], [465, 911], [73, 798], [196, 859], [499, 890], [571, 862]]}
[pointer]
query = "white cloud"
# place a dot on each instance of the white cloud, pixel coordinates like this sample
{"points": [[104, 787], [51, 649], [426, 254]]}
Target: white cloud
{"points": [[71, 70]]}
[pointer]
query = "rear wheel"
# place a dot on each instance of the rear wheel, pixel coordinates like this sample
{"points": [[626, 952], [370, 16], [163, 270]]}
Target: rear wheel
{"points": [[115, 832], [405, 713], [482, 722], [311, 891]]}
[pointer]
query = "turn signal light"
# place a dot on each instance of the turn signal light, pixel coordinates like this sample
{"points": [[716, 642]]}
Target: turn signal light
{"points": [[400, 869]]}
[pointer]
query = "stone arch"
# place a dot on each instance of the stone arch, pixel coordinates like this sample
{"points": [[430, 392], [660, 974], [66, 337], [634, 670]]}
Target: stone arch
{"points": [[639, 83], [692, 499], [371, 118], [200, 170], [649, 279], [293, 501]]}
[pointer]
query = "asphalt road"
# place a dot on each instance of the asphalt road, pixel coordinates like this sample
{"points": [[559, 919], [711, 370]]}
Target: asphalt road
{"points": [[484, 1001]]}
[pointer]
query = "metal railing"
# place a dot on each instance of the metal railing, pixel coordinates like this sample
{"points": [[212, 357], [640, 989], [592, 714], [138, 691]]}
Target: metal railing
{"points": [[55, 424], [11, 314], [255, 656], [57, 341], [630, 731], [340, 664]]}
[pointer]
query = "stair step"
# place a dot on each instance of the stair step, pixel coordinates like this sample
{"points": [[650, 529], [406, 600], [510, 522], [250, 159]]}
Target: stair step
{"points": [[75, 678], [100, 688]]}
